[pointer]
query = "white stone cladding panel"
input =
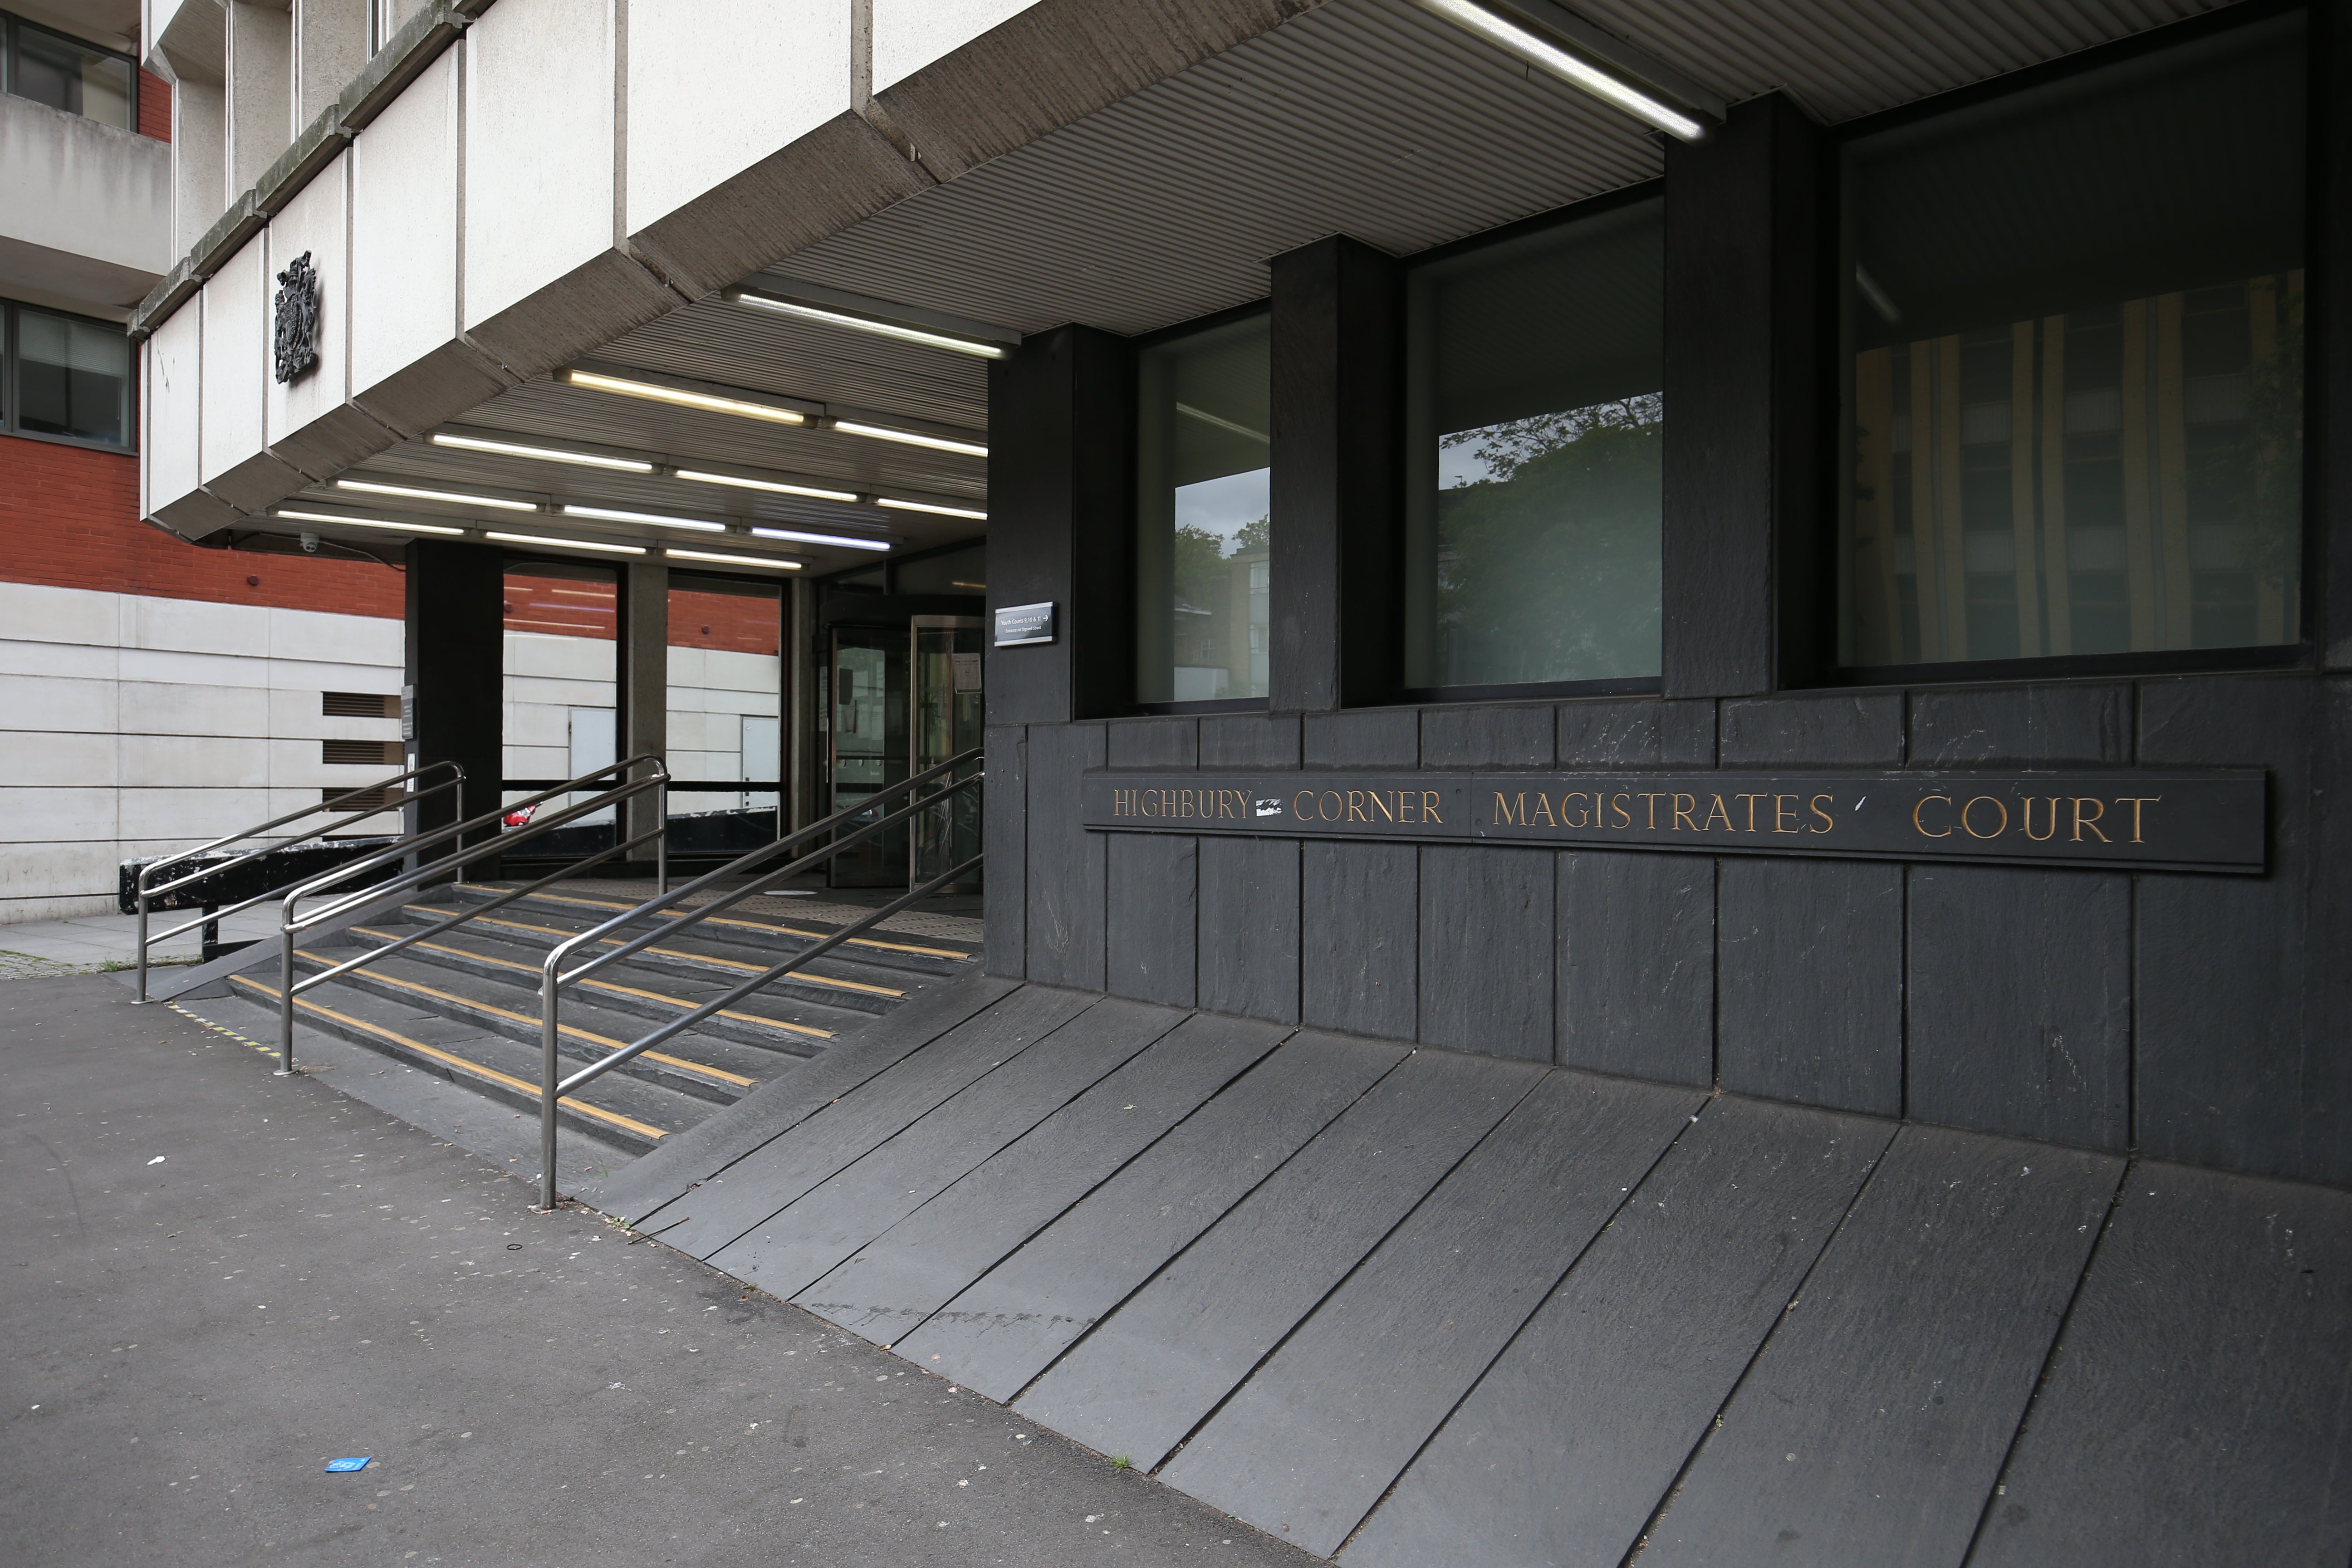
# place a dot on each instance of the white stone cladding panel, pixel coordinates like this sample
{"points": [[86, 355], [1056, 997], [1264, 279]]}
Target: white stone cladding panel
{"points": [[236, 359], [174, 403], [313, 225], [404, 258], [40, 815], [714, 86], [910, 34], [60, 761], [538, 147], [35, 704]]}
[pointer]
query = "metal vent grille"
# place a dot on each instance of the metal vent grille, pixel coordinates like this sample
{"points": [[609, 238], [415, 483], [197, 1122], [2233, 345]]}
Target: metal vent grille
{"points": [[368, 753], [358, 705]]}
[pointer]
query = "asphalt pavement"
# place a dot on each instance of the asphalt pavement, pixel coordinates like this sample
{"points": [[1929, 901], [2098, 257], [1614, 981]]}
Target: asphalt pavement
{"points": [[222, 1280]]}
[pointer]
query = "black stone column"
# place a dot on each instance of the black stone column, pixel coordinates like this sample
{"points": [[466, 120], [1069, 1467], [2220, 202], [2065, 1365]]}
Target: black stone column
{"points": [[1748, 407], [456, 662]]}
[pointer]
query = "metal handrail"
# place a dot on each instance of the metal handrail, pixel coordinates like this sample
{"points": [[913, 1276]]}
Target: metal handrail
{"points": [[614, 794], [457, 780], [553, 977]]}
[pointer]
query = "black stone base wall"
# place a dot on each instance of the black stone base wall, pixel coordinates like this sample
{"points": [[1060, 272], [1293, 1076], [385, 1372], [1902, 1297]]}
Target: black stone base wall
{"points": [[2198, 1018]]}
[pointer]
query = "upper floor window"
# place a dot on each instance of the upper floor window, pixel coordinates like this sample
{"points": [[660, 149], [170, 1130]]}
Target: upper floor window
{"points": [[66, 73], [2074, 318], [1202, 514], [1534, 427], [66, 376]]}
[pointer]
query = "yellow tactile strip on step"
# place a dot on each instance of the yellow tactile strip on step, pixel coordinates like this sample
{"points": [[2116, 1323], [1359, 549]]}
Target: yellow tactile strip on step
{"points": [[802, 976], [461, 1063], [765, 925], [617, 990], [508, 1013]]}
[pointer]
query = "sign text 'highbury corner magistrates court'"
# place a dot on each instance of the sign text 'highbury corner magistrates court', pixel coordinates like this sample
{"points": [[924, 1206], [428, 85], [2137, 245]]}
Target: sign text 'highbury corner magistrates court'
{"points": [[2204, 821]]}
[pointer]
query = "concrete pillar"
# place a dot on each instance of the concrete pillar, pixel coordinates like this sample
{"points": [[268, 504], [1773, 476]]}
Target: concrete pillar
{"points": [[331, 45], [455, 662], [641, 665], [260, 72]]}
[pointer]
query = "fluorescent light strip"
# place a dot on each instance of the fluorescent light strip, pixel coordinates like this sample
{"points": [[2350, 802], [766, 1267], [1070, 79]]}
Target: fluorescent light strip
{"points": [[567, 543], [605, 514], [869, 324], [768, 561], [1547, 55], [700, 478], [926, 506], [884, 433], [367, 522], [451, 497], [821, 539], [549, 454], [685, 399]]}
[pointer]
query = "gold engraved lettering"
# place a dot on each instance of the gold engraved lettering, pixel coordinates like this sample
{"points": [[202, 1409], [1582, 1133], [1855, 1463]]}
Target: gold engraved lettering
{"points": [[1543, 803], [1751, 800], [1356, 806], [1184, 806], [2027, 812], [1511, 813], [1653, 800], [1683, 812], [1828, 823], [1624, 818], [1298, 807], [2082, 822], [1122, 802], [1429, 808], [1235, 800], [1333, 812], [1585, 815], [1408, 808], [2134, 802], [1381, 804], [1968, 819], [1924, 831], [1783, 814], [1715, 812]]}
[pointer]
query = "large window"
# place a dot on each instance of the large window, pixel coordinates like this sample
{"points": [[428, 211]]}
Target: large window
{"points": [[1202, 514], [65, 376], [1534, 426], [2075, 407], [66, 73]]}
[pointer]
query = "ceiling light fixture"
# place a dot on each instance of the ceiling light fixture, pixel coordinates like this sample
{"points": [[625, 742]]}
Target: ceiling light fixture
{"points": [[1544, 50], [567, 543], [776, 563], [709, 402], [451, 497], [869, 324], [699, 477], [841, 539], [367, 522], [895, 505], [606, 514], [884, 433], [546, 454]]}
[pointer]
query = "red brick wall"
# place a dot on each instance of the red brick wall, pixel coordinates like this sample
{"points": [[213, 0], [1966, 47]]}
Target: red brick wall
{"points": [[584, 607], [734, 622], [154, 106], [69, 518]]}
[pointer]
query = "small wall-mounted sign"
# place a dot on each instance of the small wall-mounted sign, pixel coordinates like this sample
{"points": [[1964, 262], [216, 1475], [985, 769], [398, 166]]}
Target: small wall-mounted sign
{"points": [[2204, 821], [967, 672], [1017, 626], [297, 337]]}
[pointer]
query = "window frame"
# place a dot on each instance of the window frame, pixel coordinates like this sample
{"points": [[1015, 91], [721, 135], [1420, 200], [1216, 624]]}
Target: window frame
{"points": [[1576, 212], [1836, 356], [1173, 333], [11, 28], [12, 400]]}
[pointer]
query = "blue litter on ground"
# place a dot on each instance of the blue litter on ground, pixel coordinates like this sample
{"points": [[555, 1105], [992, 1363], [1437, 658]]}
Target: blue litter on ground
{"points": [[336, 1466]]}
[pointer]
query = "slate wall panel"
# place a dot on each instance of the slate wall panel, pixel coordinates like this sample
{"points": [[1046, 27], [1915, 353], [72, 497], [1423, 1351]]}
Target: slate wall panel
{"points": [[1486, 981], [1637, 733], [1808, 982], [2022, 725], [1359, 953], [2243, 1060], [1159, 744], [1363, 738], [1475, 736], [2020, 1002], [1636, 966], [1150, 915], [1004, 877], [1249, 741], [1249, 928], [1814, 730], [1064, 924]]}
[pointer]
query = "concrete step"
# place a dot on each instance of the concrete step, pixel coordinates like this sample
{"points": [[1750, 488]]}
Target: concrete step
{"points": [[875, 949]]}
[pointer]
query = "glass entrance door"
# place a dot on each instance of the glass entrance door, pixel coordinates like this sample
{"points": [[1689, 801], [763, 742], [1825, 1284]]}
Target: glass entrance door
{"points": [[868, 734], [946, 699]]}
